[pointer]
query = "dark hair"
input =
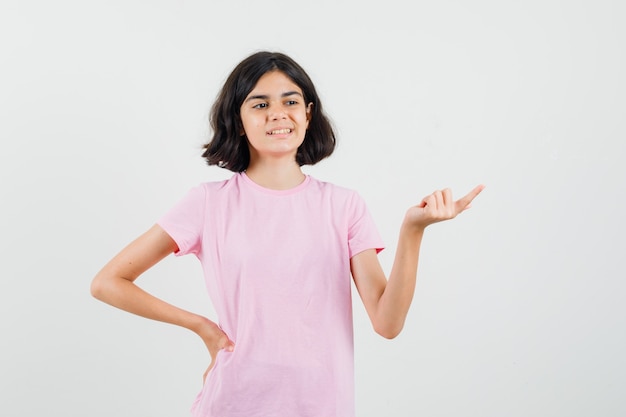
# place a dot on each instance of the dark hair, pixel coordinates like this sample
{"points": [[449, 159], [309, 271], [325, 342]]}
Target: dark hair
{"points": [[228, 148]]}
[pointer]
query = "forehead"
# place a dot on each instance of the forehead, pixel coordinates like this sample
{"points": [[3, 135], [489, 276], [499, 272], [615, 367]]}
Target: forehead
{"points": [[274, 82]]}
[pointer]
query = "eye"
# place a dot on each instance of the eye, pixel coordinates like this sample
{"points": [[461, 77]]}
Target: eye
{"points": [[260, 106], [291, 102]]}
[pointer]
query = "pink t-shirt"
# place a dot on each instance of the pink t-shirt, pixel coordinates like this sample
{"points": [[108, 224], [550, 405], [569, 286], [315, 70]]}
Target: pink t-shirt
{"points": [[277, 269]]}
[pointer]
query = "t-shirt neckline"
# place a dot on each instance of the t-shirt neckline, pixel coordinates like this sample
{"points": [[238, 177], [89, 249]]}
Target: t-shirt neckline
{"points": [[288, 191]]}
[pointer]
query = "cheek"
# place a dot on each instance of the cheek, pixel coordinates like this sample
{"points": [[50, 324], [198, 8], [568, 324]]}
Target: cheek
{"points": [[247, 125], [254, 122], [253, 128]]}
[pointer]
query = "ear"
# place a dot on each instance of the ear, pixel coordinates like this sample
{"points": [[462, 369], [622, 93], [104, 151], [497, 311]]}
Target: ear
{"points": [[309, 111]]}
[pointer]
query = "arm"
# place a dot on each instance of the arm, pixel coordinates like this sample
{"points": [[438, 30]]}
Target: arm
{"points": [[387, 302], [114, 285]]}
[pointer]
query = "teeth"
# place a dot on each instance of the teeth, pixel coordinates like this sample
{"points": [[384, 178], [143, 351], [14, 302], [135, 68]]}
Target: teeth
{"points": [[280, 131]]}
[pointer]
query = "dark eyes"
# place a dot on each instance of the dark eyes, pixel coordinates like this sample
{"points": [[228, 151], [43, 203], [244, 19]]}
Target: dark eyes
{"points": [[264, 105]]}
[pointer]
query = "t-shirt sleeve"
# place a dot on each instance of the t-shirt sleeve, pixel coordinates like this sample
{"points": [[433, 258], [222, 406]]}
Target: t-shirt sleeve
{"points": [[185, 221], [362, 232]]}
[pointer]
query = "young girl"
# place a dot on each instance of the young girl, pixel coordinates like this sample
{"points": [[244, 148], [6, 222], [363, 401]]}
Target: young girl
{"points": [[277, 248]]}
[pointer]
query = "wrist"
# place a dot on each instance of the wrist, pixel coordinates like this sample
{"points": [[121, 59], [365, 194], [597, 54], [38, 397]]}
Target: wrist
{"points": [[198, 324], [411, 226]]}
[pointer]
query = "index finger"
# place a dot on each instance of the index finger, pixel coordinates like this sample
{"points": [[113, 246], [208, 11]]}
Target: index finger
{"points": [[463, 202]]}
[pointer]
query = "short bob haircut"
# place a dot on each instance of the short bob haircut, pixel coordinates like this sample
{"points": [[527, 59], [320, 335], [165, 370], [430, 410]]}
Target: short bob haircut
{"points": [[228, 148]]}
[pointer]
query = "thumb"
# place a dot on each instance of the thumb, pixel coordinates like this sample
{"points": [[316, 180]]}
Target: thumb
{"points": [[229, 346]]}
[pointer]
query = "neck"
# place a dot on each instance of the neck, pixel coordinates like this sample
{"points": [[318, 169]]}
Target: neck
{"points": [[276, 176]]}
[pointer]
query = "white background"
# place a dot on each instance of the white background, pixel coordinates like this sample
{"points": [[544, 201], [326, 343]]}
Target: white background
{"points": [[519, 309]]}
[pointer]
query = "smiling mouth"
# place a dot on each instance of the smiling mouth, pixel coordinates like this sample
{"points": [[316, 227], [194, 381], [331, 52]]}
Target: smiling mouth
{"points": [[279, 132]]}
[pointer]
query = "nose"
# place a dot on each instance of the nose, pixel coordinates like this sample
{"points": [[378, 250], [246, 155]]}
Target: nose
{"points": [[278, 113]]}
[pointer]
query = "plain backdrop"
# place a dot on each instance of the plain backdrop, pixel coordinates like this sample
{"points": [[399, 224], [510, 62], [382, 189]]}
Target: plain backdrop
{"points": [[519, 308]]}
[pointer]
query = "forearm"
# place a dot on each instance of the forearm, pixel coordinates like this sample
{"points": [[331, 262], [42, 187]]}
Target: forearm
{"points": [[126, 295], [394, 303]]}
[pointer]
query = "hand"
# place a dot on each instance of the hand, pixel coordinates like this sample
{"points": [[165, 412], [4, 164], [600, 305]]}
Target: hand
{"points": [[215, 340], [440, 206]]}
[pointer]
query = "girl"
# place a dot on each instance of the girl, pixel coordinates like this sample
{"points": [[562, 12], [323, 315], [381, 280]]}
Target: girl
{"points": [[277, 248]]}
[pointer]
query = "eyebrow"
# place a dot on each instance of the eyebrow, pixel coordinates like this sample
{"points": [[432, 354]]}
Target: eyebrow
{"points": [[265, 97]]}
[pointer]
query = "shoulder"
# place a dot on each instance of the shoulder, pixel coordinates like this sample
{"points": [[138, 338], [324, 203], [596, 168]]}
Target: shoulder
{"points": [[201, 194], [337, 193], [220, 186], [329, 187]]}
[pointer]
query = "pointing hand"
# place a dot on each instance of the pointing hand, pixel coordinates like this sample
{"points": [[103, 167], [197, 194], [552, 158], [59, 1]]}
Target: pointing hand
{"points": [[440, 206]]}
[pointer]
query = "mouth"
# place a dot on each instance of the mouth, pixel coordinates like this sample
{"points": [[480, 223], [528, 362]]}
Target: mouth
{"points": [[279, 132]]}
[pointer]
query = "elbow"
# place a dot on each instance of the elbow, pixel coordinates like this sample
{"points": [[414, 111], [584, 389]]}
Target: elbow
{"points": [[95, 289], [388, 331], [98, 288]]}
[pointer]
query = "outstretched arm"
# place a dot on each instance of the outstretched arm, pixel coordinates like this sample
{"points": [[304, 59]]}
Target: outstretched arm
{"points": [[114, 285], [387, 302]]}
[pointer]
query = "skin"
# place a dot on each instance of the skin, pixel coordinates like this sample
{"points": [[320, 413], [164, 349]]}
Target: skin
{"points": [[276, 104]]}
